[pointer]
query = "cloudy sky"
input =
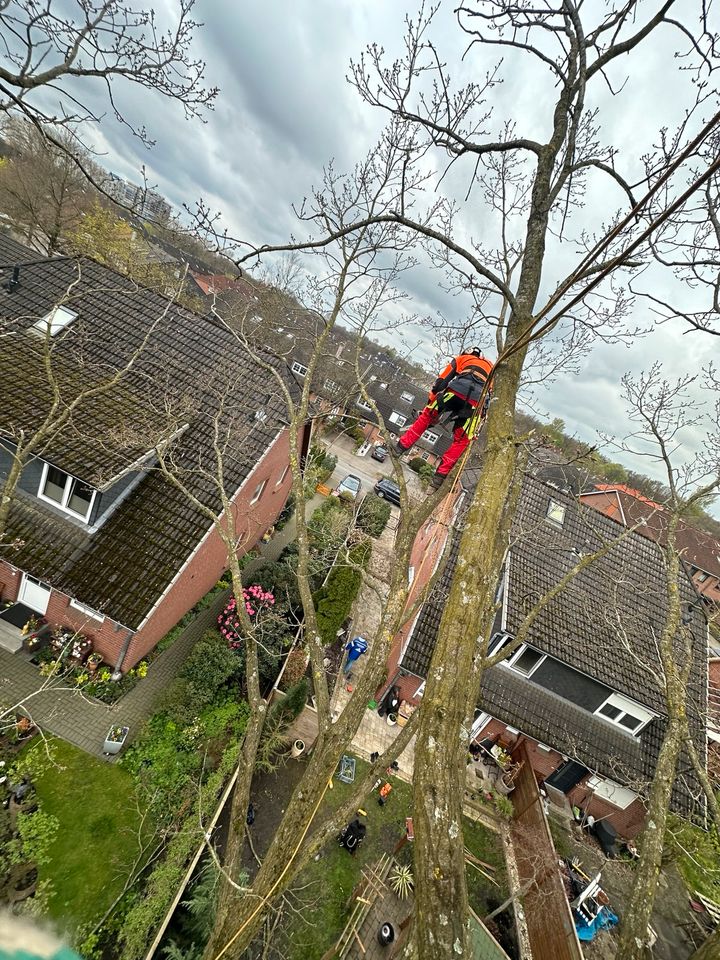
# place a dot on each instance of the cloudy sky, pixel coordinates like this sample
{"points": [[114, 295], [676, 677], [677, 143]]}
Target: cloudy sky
{"points": [[285, 109]]}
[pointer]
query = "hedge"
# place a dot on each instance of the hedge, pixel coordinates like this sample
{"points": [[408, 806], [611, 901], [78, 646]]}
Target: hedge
{"points": [[373, 515], [334, 601]]}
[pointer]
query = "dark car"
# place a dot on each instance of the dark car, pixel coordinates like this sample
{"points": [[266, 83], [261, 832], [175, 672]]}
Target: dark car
{"points": [[379, 453], [388, 490]]}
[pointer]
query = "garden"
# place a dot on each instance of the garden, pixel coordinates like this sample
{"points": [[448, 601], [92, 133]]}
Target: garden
{"points": [[313, 914]]}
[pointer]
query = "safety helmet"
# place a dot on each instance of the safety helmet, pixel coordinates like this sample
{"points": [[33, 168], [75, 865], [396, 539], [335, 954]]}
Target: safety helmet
{"points": [[476, 351]]}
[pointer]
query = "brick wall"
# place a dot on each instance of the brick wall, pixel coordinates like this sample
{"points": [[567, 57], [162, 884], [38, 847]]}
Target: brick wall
{"points": [[628, 822], [210, 561], [201, 573]]}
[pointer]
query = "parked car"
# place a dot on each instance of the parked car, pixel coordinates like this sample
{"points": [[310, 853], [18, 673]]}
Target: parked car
{"points": [[379, 453], [349, 484], [388, 490]]}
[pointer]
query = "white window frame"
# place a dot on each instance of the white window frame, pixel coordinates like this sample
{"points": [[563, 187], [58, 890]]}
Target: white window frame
{"points": [[407, 397], [283, 475], [363, 404], [701, 576], [88, 611], [430, 437], [420, 690], [552, 505], [330, 385], [259, 491], [611, 792], [397, 418], [411, 576], [516, 656], [299, 368], [66, 494], [627, 707], [57, 319]]}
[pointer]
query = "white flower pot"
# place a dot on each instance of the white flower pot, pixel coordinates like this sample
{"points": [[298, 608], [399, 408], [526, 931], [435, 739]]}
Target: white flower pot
{"points": [[297, 748]]}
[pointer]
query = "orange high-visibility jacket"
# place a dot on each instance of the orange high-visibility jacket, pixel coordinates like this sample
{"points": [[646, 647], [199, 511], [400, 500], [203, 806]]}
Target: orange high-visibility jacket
{"points": [[466, 375]]}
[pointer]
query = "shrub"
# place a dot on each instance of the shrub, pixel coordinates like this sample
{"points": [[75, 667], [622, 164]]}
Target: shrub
{"points": [[416, 464], [295, 667], [373, 515], [426, 473], [203, 679], [292, 704], [334, 601]]}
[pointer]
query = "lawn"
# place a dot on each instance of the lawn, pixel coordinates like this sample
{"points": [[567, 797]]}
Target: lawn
{"points": [[94, 802], [332, 879]]}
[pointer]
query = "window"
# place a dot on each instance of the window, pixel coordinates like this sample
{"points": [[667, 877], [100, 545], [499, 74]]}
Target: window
{"points": [[398, 419], [100, 617], [411, 575], [299, 369], [420, 690], [526, 660], [701, 576], [363, 404], [330, 385], [57, 320], [624, 713], [407, 397], [555, 512], [430, 437], [66, 492], [282, 476], [612, 792], [258, 492]]}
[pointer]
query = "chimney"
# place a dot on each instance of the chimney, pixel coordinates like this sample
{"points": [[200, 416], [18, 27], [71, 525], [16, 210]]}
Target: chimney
{"points": [[14, 281]]}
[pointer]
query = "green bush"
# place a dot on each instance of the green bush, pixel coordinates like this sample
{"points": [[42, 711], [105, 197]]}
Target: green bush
{"points": [[373, 515], [291, 705], [334, 601], [416, 464], [203, 678], [426, 473]]}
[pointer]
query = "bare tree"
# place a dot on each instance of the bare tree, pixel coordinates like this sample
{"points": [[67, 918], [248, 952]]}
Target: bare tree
{"points": [[663, 412], [41, 188], [579, 52], [48, 46]]}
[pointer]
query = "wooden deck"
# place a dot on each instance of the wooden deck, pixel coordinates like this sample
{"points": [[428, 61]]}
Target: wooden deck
{"points": [[305, 728]]}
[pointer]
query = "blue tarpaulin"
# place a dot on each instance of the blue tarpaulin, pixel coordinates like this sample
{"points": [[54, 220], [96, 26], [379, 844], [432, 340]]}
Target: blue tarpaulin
{"points": [[603, 921]]}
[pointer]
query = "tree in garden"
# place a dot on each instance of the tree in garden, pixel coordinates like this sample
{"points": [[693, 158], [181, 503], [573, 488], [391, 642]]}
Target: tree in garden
{"points": [[663, 413], [532, 186], [41, 188], [49, 46]]}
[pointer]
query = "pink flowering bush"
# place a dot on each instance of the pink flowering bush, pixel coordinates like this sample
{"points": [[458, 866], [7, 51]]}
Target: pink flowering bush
{"points": [[255, 599]]}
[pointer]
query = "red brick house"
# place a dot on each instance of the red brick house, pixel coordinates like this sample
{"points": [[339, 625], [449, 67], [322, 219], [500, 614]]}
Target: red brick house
{"points": [[583, 692], [98, 539]]}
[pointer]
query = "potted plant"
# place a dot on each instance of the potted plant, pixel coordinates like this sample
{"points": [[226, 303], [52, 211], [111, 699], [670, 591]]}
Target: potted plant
{"points": [[115, 739], [80, 648], [32, 624], [93, 662]]}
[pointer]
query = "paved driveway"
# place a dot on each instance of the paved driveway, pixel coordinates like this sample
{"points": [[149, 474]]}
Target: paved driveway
{"points": [[368, 470]]}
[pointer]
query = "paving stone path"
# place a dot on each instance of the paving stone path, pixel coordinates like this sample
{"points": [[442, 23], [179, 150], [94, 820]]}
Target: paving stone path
{"points": [[66, 713]]}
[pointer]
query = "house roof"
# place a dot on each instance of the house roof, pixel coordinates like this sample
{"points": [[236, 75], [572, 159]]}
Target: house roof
{"points": [[123, 566], [698, 548], [385, 379], [603, 624]]}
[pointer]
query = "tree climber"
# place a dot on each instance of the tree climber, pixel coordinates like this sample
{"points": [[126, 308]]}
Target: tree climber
{"points": [[457, 392]]}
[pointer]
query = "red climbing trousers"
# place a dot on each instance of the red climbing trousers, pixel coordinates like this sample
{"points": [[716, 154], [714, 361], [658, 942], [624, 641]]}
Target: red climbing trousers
{"points": [[466, 421]]}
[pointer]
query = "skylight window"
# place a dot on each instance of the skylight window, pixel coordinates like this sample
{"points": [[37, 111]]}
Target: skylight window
{"points": [[56, 320], [555, 512]]}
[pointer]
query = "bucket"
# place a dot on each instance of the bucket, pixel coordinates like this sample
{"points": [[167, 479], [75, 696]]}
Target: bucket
{"points": [[297, 748]]}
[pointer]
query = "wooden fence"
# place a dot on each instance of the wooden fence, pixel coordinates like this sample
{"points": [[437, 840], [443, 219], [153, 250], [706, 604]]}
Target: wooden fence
{"points": [[547, 913]]}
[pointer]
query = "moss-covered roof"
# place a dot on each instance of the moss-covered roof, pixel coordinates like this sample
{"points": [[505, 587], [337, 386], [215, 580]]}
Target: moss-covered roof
{"points": [[190, 367]]}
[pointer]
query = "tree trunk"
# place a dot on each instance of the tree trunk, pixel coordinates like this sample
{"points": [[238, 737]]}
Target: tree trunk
{"points": [[441, 895], [634, 928], [710, 950]]}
